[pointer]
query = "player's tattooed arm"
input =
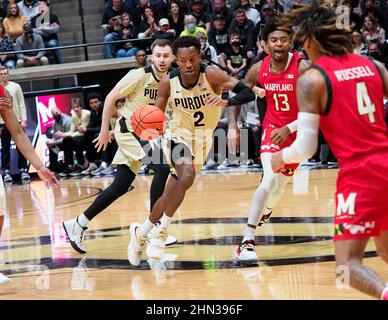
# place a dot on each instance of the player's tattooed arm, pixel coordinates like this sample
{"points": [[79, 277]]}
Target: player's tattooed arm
{"points": [[311, 92], [304, 65]]}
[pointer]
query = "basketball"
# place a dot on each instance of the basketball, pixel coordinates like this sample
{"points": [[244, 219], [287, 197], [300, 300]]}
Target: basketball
{"points": [[148, 122]]}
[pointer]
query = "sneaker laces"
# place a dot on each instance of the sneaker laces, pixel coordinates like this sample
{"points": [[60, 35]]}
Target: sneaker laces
{"points": [[162, 235], [82, 233], [248, 245], [141, 242]]}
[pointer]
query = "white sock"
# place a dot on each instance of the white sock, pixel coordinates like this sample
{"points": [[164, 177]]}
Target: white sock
{"points": [[165, 221], [145, 228], [249, 234], [104, 164], [82, 220]]}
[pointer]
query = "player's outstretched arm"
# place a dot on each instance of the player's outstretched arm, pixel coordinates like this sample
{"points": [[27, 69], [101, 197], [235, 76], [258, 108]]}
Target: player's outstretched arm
{"points": [[219, 79], [252, 75], [163, 93], [26, 148]]}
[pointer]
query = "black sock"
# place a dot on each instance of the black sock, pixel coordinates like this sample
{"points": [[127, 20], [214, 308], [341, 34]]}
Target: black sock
{"points": [[158, 182], [120, 185]]}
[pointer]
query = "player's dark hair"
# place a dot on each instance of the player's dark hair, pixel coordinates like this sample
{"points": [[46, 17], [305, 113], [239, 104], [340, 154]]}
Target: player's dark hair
{"points": [[319, 22], [186, 42], [273, 25], [161, 43]]}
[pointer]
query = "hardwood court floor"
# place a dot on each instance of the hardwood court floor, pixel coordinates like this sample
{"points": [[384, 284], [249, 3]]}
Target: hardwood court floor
{"points": [[295, 249]]}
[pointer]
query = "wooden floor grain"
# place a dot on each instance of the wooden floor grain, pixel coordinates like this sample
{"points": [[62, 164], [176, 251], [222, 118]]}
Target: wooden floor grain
{"points": [[295, 249]]}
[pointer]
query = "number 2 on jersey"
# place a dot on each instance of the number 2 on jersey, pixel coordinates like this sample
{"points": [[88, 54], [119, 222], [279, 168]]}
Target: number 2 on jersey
{"points": [[283, 100], [363, 102], [199, 116]]}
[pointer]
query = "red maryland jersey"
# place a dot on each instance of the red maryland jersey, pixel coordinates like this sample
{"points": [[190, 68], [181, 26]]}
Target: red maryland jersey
{"points": [[354, 119], [280, 90]]}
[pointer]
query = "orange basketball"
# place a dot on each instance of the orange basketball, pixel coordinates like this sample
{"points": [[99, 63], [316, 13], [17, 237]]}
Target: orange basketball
{"points": [[148, 122]]}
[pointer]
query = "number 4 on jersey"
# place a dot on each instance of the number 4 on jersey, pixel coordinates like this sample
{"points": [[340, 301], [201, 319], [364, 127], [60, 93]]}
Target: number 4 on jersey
{"points": [[363, 102]]}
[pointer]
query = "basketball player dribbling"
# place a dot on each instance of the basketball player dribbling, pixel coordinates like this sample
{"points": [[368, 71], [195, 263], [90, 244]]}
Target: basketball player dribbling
{"points": [[26, 148], [139, 87], [343, 95], [277, 75], [193, 92]]}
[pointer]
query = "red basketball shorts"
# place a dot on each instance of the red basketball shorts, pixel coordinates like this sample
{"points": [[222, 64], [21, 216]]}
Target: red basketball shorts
{"points": [[270, 147], [362, 198]]}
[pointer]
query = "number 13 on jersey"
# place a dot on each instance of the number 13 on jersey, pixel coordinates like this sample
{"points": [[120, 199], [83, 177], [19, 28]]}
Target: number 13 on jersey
{"points": [[281, 102]]}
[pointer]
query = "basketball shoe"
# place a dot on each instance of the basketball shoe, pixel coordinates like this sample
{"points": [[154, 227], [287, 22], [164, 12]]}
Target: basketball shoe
{"points": [[157, 243], [246, 251], [4, 279], [265, 217], [155, 231], [136, 245], [75, 232]]}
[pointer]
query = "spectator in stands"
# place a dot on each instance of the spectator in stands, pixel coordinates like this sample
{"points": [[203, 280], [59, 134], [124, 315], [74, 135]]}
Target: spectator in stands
{"points": [[372, 30], [165, 32], [220, 8], [14, 22], [110, 25], [266, 13], [374, 49], [107, 156], [141, 58], [126, 31], [203, 19], [47, 26], [218, 34], [369, 9], [29, 41], [148, 26], [191, 28], [355, 19], [207, 51], [287, 4], [360, 47], [6, 45], [246, 29], [3, 10], [73, 140], [137, 13], [91, 131], [262, 52], [28, 8], [62, 123], [19, 108], [236, 57], [249, 120], [251, 13], [176, 17]]}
